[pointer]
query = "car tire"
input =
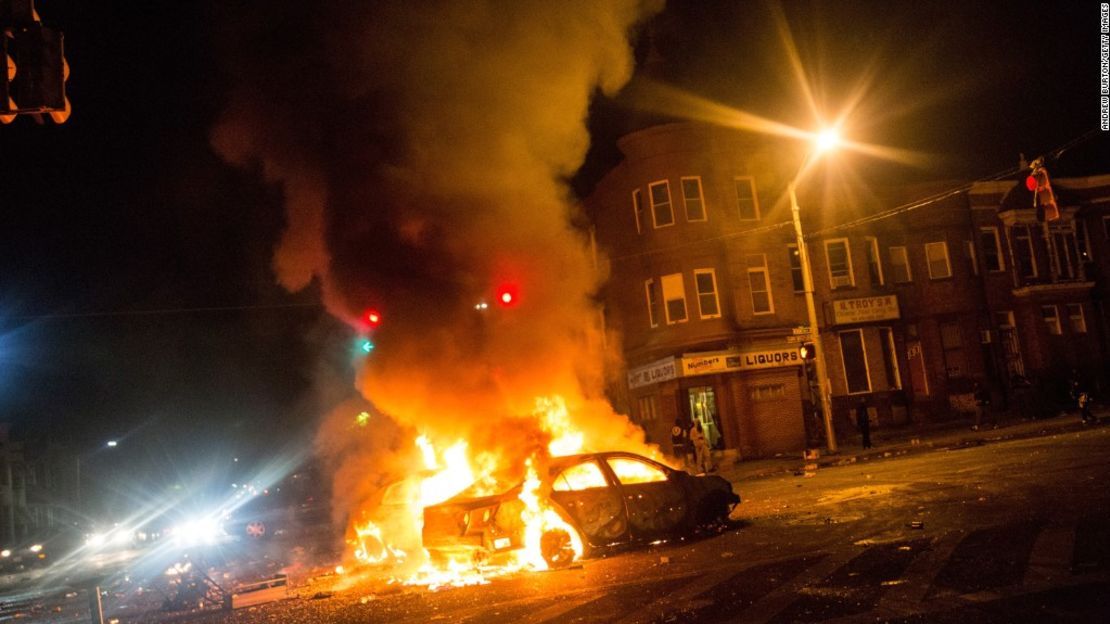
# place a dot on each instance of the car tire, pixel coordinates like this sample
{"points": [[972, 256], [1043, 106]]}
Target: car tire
{"points": [[557, 548], [713, 510]]}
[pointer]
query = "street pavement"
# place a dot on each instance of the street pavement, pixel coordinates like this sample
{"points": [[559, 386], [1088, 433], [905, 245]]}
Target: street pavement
{"points": [[906, 440]]}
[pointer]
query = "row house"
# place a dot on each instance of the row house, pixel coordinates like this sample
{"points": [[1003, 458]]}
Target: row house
{"points": [[705, 287]]}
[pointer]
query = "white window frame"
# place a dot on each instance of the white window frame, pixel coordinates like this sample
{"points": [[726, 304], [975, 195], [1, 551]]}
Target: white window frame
{"points": [[1032, 251], [716, 299], [791, 253], [638, 209], [670, 203], [649, 297], [993, 231], [700, 198], [761, 268], [872, 245], [681, 285], [1077, 323], [891, 348], [905, 254], [755, 198], [1053, 321], [833, 283], [943, 245], [866, 365]]}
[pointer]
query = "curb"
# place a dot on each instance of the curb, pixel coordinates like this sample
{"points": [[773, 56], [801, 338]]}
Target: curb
{"points": [[806, 467]]}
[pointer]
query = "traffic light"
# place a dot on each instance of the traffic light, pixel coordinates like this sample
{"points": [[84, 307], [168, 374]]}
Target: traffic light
{"points": [[507, 295], [807, 351], [1044, 199], [366, 345], [35, 68], [372, 318]]}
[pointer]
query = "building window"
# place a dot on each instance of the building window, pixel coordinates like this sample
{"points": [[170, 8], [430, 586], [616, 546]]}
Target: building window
{"points": [[1106, 227], [760, 285], [874, 266], [648, 409], [1067, 254], [747, 205], [952, 345], [662, 213], [890, 358], [638, 210], [1051, 319], [652, 294], [674, 298], [937, 256], [1025, 259], [692, 197], [840, 263], [1082, 241], [706, 282], [796, 268], [992, 249], [1076, 319], [855, 361], [900, 266]]}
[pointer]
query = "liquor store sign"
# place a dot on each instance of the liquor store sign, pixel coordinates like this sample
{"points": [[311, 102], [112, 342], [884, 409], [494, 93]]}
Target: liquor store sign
{"points": [[865, 309], [749, 360], [659, 370]]}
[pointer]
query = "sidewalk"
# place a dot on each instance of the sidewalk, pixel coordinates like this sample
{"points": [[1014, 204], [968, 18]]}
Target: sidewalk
{"points": [[908, 440]]}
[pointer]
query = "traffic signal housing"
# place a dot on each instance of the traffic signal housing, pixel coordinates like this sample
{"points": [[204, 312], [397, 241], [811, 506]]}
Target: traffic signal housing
{"points": [[35, 69], [807, 351]]}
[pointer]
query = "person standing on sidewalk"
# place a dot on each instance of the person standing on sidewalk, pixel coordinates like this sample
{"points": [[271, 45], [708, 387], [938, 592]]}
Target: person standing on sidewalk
{"points": [[703, 463], [982, 404], [1084, 402], [680, 442], [863, 422]]}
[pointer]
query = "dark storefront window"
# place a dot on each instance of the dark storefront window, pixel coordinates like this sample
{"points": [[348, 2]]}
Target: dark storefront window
{"points": [[855, 361]]}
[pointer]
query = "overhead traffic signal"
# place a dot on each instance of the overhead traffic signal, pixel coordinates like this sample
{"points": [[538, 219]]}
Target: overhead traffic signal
{"points": [[35, 68], [507, 295]]}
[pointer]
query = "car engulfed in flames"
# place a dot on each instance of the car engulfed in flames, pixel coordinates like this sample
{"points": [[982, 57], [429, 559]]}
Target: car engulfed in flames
{"points": [[575, 506]]}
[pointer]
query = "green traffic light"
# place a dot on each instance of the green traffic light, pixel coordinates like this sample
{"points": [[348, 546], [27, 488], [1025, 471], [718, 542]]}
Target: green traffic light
{"points": [[367, 346]]}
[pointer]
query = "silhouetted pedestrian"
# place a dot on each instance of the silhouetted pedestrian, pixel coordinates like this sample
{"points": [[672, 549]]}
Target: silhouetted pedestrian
{"points": [[982, 403], [863, 421], [680, 442]]}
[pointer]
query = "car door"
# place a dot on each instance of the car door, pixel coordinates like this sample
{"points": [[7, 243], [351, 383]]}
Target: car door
{"points": [[656, 504], [592, 501]]}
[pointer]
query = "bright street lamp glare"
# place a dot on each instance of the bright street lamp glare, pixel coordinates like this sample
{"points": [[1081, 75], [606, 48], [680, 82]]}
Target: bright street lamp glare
{"points": [[827, 139]]}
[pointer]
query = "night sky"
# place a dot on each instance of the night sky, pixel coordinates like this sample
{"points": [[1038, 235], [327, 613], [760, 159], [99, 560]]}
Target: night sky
{"points": [[137, 298]]}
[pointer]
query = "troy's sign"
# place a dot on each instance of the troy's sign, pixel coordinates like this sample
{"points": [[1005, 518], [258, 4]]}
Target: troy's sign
{"points": [[865, 309]]}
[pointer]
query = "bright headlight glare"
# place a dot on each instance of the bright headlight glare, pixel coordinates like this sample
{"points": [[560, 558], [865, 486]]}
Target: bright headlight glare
{"points": [[199, 531]]}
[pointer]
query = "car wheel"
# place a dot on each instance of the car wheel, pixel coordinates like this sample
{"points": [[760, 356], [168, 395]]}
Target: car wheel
{"points": [[714, 510], [557, 548]]}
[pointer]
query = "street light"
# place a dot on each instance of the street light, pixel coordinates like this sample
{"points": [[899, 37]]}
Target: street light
{"points": [[825, 141]]}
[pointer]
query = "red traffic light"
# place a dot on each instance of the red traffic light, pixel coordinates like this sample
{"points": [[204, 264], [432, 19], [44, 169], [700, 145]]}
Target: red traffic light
{"points": [[372, 318], [1031, 183], [507, 295]]}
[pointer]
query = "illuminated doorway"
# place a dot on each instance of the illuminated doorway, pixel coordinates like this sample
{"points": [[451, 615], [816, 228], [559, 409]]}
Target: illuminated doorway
{"points": [[703, 409]]}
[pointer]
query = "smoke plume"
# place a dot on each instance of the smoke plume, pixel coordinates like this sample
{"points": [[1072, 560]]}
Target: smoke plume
{"points": [[422, 148]]}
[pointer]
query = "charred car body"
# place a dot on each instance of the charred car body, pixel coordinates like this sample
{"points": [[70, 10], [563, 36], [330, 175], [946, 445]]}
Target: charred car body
{"points": [[609, 498]]}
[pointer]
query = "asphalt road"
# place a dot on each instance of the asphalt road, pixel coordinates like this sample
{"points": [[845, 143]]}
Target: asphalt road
{"points": [[1008, 531]]}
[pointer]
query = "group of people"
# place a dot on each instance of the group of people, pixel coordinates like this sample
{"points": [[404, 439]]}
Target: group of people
{"points": [[691, 439]]}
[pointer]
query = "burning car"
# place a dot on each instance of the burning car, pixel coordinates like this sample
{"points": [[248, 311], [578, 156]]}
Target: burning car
{"points": [[601, 500]]}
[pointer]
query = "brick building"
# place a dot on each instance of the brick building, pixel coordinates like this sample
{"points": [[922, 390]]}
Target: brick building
{"points": [[914, 305]]}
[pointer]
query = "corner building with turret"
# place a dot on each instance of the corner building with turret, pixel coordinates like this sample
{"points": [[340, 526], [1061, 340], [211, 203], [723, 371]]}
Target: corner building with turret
{"points": [[920, 293]]}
